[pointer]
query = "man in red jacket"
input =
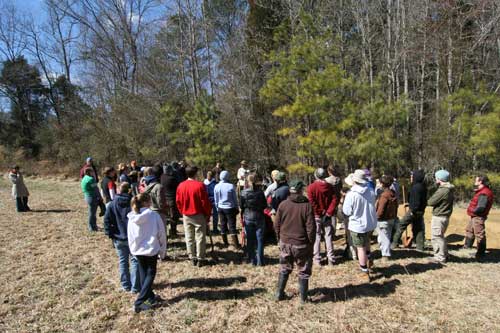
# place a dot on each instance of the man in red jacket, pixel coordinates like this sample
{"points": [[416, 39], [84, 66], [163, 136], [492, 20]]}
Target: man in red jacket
{"points": [[324, 201], [478, 210], [195, 207]]}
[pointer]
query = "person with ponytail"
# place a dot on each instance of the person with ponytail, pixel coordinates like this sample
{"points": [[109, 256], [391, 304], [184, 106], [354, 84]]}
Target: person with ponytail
{"points": [[146, 240]]}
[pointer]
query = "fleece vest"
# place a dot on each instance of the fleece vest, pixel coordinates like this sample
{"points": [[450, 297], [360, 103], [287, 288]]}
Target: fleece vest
{"points": [[473, 204]]}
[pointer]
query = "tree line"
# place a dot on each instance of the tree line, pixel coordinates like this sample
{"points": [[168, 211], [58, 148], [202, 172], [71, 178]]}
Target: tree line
{"points": [[388, 84]]}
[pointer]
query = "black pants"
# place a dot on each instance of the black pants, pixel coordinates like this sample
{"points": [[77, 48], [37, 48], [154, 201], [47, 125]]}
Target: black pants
{"points": [[22, 204], [227, 221], [147, 273]]}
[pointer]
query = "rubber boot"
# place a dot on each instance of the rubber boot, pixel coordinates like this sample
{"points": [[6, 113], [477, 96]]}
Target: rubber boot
{"points": [[280, 292], [303, 289], [420, 240], [224, 240], [468, 242], [234, 242], [481, 250]]}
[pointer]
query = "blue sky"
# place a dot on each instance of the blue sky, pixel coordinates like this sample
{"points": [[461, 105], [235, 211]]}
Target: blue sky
{"points": [[34, 7]]}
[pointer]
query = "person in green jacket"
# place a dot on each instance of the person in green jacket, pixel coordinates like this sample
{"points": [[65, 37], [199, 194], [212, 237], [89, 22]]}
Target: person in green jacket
{"points": [[442, 203], [89, 186]]}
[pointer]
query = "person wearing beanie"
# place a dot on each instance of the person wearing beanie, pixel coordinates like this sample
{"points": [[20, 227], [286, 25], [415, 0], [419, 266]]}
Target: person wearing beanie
{"points": [[442, 203], [324, 201], [296, 231], [359, 205], [478, 210]]}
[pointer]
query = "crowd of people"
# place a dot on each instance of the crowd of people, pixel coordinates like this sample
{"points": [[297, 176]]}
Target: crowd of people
{"points": [[139, 204]]}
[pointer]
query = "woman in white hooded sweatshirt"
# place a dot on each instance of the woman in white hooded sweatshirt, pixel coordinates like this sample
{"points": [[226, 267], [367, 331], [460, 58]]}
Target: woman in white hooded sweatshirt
{"points": [[146, 239], [359, 206]]}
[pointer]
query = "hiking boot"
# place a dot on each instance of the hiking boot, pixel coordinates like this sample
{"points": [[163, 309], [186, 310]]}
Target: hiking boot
{"points": [[468, 242], [303, 289], [224, 240], [481, 250], [234, 244], [201, 263], [280, 292]]}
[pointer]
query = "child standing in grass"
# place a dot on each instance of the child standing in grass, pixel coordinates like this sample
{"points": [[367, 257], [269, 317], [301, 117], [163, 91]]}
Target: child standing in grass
{"points": [[19, 190], [115, 227], [146, 240], [89, 187]]}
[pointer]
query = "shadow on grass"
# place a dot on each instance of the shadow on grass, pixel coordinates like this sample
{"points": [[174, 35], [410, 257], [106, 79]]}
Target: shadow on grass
{"points": [[209, 282], [492, 256], [410, 269], [402, 253], [51, 211], [342, 294], [216, 295]]}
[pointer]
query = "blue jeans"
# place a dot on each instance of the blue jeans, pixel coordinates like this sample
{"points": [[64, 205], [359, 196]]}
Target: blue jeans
{"points": [[254, 231], [215, 218], [92, 203], [129, 277]]}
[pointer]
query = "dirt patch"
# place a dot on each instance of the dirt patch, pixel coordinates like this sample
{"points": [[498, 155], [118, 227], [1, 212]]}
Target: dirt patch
{"points": [[56, 277]]}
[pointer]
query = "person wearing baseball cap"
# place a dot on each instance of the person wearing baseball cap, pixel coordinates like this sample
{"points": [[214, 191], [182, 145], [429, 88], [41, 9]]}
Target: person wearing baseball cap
{"points": [[296, 231], [442, 203]]}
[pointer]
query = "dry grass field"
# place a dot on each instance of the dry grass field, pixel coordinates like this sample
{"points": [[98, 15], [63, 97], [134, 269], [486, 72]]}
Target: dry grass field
{"points": [[56, 277]]}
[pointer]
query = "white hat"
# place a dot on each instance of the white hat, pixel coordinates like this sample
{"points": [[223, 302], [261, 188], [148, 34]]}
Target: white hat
{"points": [[348, 180], [359, 176]]}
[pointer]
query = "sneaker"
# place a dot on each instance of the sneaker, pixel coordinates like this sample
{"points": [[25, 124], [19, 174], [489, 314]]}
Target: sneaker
{"points": [[143, 307], [385, 259], [364, 277], [437, 261]]}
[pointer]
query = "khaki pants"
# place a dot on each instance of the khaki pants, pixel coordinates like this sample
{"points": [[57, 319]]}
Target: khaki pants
{"points": [[195, 229], [300, 255], [476, 229], [439, 224]]}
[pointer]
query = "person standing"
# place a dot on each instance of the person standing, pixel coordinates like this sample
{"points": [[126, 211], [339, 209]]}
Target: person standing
{"points": [[19, 190], [478, 210], [146, 240], [227, 205], [194, 205], [210, 184], [252, 204], [170, 183], [157, 193], [123, 173], [89, 189], [324, 202], [115, 227], [242, 175], [216, 171], [387, 212], [415, 215], [108, 185], [274, 185], [280, 194], [89, 163], [134, 166], [296, 231], [442, 203], [359, 205]]}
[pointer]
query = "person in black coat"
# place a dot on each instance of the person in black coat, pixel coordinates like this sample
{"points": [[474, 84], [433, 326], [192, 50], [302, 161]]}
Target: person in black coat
{"points": [[417, 202]]}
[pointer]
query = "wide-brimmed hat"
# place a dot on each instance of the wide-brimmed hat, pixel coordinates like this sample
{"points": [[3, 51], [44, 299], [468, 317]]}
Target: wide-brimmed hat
{"points": [[348, 180], [359, 176], [243, 162]]}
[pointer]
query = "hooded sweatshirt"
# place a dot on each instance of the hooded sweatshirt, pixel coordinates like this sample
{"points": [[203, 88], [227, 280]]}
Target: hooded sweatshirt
{"points": [[210, 186], [442, 200], [158, 198], [359, 205], [418, 193], [295, 221], [115, 219], [146, 233], [225, 193]]}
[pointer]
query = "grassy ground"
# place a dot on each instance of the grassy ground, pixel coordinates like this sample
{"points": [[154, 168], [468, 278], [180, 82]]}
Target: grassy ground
{"points": [[57, 277]]}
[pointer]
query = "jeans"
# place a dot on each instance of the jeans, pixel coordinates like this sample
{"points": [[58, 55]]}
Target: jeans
{"points": [[384, 236], [129, 275], [92, 210], [22, 204], [228, 220], [254, 231], [215, 218], [147, 273]]}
